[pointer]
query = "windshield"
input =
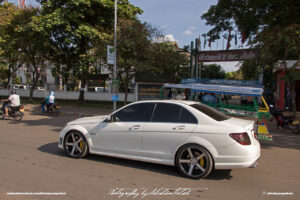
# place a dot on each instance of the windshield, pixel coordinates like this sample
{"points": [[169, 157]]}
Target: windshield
{"points": [[211, 112]]}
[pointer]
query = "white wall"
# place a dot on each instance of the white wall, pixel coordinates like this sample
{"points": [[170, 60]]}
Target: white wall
{"points": [[95, 96]]}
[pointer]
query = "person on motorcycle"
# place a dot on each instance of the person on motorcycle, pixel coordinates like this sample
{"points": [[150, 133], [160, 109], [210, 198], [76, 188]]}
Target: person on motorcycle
{"points": [[48, 101], [12, 101]]}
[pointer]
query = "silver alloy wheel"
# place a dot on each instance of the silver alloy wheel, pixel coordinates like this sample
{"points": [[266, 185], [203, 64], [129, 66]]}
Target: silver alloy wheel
{"points": [[75, 145], [194, 161]]}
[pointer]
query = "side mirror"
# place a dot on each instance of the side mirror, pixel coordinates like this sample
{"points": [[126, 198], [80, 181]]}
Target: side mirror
{"points": [[110, 119]]}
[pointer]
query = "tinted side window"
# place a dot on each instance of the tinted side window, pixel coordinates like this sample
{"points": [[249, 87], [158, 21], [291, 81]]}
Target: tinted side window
{"points": [[141, 112], [211, 112], [187, 117], [165, 112]]}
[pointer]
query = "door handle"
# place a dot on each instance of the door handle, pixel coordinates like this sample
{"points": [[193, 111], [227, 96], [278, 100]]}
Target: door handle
{"points": [[135, 127], [178, 128]]}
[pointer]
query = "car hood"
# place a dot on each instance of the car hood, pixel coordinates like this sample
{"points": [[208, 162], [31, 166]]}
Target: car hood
{"points": [[89, 120], [247, 124]]}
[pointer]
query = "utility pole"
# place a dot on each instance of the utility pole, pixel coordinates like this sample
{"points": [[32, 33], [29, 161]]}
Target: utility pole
{"points": [[196, 58], [115, 59], [191, 60]]}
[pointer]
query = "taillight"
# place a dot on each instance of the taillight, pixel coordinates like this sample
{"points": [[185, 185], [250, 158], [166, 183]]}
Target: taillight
{"points": [[241, 138]]}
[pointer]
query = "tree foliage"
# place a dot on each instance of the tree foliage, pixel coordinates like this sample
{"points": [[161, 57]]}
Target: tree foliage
{"points": [[32, 50], [212, 71], [273, 26], [9, 40], [76, 28], [251, 16], [133, 50], [249, 69]]}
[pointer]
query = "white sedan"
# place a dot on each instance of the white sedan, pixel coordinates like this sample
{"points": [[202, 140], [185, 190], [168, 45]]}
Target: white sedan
{"points": [[189, 135]]}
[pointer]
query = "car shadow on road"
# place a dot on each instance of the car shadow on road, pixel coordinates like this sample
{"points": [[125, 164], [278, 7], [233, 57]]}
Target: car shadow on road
{"points": [[52, 148]]}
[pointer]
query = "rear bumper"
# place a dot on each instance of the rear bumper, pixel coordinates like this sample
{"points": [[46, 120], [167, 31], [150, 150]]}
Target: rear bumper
{"points": [[237, 162], [244, 156]]}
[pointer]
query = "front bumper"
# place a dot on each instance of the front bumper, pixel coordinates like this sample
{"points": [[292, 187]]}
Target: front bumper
{"points": [[60, 142]]}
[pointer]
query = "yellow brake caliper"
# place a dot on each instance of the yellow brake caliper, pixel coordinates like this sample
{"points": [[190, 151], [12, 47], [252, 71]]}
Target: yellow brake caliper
{"points": [[202, 162], [81, 145]]}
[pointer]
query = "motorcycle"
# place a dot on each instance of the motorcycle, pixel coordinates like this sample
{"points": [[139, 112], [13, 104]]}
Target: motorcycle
{"points": [[289, 122], [52, 110], [16, 112]]}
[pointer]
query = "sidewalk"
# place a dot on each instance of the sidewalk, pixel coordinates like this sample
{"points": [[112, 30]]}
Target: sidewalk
{"points": [[74, 110]]}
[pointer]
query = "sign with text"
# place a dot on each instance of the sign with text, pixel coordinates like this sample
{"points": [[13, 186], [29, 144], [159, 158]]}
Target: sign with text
{"points": [[223, 56], [110, 54], [148, 91], [115, 86]]}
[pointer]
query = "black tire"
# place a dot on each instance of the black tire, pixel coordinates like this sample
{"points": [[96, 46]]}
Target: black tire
{"points": [[55, 111], [78, 148], [18, 115], [297, 129], [39, 110], [294, 128], [194, 161]]}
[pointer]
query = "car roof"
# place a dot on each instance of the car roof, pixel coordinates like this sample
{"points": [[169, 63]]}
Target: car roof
{"points": [[186, 102]]}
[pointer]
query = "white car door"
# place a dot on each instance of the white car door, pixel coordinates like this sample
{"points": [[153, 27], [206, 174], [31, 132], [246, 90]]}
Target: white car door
{"points": [[123, 134], [120, 137], [170, 124]]}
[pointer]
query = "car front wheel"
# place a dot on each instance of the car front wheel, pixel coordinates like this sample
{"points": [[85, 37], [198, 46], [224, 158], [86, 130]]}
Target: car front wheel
{"points": [[194, 161], [75, 145]]}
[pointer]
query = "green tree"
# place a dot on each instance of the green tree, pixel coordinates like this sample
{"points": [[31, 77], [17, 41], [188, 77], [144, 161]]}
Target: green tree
{"points": [[76, 28], [273, 26], [32, 44], [212, 71], [133, 50], [167, 65], [139, 56], [249, 69], [9, 49]]}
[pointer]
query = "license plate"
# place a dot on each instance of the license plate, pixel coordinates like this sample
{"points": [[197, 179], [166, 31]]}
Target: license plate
{"points": [[296, 122], [22, 110], [264, 137]]}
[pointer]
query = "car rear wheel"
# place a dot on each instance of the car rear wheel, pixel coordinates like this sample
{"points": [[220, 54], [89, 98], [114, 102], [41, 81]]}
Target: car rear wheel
{"points": [[75, 145], [194, 161]]}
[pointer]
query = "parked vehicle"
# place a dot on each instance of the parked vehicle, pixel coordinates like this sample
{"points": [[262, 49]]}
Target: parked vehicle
{"points": [[189, 135], [16, 112], [287, 122], [20, 87], [236, 98]]}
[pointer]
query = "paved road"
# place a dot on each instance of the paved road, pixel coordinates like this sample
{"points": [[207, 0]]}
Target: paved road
{"points": [[31, 162]]}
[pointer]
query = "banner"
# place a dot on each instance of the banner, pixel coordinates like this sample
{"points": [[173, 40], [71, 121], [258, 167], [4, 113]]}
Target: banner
{"points": [[229, 55], [110, 54]]}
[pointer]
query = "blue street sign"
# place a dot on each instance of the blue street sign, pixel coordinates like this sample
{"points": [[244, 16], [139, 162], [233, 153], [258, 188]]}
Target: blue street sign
{"points": [[115, 97]]}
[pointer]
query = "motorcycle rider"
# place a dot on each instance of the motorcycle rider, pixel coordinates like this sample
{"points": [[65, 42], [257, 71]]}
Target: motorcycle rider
{"points": [[48, 101], [12, 101]]}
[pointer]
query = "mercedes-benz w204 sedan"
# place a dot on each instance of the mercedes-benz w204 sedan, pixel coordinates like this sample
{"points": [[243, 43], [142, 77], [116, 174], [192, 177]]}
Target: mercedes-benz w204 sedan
{"points": [[189, 135]]}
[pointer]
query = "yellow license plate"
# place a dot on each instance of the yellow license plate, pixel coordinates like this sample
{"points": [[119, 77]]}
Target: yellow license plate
{"points": [[57, 106], [296, 122], [22, 110]]}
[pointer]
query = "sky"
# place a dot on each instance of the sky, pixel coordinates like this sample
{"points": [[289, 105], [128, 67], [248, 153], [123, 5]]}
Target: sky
{"points": [[179, 20]]}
